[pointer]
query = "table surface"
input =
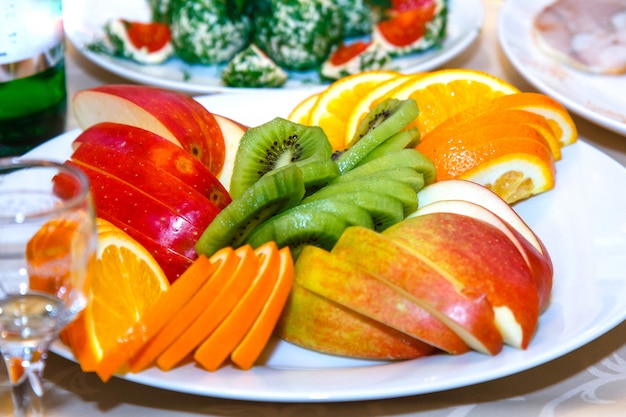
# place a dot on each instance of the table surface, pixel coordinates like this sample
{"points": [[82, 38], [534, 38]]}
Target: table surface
{"points": [[589, 381]]}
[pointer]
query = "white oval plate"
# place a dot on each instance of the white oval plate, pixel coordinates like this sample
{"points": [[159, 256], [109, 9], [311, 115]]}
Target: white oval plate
{"points": [[84, 21], [582, 222], [598, 98]]}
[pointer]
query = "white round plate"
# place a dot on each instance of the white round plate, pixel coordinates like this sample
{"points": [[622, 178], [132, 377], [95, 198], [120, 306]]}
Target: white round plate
{"points": [[84, 21], [582, 222], [598, 98]]}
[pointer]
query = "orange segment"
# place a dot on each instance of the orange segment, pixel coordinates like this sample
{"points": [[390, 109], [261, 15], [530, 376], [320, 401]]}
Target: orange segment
{"points": [[227, 261], [184, 288], [469, 121], [125, 282], [443, 93], [213, 351], [216, 309], [249, 349], [333, 106]]}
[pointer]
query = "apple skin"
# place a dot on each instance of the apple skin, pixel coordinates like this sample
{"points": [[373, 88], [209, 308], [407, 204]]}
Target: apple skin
{"points": [[483, 259], [131, 207], [326, 274], [318, 324], [232, 132], [172, 263], [458, 189], [464, 310], [540, 266], [172, 115], [134, 145]]}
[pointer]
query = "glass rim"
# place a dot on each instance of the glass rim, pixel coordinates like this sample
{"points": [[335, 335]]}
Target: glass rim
{"points": [[83, 193]]}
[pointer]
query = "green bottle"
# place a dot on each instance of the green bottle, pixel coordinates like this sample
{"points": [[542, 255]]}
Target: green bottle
{"points": [[33, 97]]}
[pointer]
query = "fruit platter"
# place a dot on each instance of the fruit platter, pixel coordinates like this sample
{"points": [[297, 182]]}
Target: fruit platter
{"points": [[568, 298]]}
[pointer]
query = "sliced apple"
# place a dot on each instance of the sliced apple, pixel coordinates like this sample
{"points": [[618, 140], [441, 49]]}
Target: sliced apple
{"points": [[539, 265], [134, 145], [456, 189], [175, 116], [232, 132], [314, 322], [464, 310], [484, 260], [336, 279]]}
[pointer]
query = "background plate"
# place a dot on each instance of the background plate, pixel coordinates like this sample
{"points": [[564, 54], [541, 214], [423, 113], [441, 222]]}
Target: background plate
{"points": [[582, 222], [598, 98], [84, 20]]}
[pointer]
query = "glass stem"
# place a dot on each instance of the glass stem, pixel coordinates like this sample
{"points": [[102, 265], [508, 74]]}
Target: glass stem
{"points": [[25, 368]]}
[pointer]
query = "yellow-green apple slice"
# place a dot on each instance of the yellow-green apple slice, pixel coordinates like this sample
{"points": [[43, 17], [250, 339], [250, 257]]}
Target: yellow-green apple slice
{"points": [[465, 310], [539, 265], [316, 323], [484, 260], [456, 189], [336, 279], [175, 116], [232, 132], [135, 145]]}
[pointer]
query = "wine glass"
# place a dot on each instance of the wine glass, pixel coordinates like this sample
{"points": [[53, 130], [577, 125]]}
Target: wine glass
{"points": [[47, 244]]}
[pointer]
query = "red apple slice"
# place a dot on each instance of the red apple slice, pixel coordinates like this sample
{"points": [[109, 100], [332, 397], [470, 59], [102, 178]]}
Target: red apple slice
{"points": [[336, 279], [539, 265], [484, 260], [232, 132], [139, 146], [172, 115], [130, 206], [463, 309], [316, 323], [456, 189]]}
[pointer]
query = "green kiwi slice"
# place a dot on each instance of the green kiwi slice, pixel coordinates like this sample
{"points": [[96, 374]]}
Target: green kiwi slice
{"points": [[316, 173], [273, 145], [405, 139], [271, 194], [385, 210], [318, 223], [383, 121], [378, 185], [409, 158]]}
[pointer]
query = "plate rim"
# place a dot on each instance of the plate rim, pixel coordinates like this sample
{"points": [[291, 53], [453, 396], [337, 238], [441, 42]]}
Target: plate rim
{"points": [[437, 57], [230, 383], [509, 8]]}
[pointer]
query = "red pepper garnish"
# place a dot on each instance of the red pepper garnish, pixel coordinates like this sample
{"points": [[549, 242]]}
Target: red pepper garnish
{"points": [[345, 52], [152, 36], [406, 27]]}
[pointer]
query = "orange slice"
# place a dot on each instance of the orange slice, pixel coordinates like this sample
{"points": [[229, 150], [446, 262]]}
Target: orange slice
{"points": [[125, 282], [212, 352], [443, 93], [250, 347], [468, 121], [302, 112], [333, 106], [215, 310], [512, 160]]}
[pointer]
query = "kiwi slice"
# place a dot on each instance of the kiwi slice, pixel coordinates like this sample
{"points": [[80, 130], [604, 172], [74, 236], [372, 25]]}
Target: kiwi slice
{"points": [[316, 173], [407, 175], [383, 121], [273, 145], [409, 158], [378, 185], [271, 194], [385, 210], [318, 223], [405, 139]]}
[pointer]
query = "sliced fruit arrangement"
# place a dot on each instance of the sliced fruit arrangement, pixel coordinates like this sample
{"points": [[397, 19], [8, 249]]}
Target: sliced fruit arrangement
{"points": [[471, 125], [242, 235]]}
